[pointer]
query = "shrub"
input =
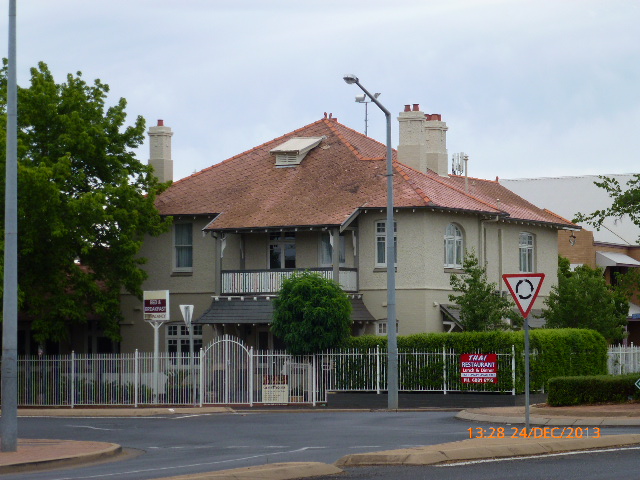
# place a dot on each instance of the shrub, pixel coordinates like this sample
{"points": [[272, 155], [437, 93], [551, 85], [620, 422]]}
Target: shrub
{"points": [[592, 389]]}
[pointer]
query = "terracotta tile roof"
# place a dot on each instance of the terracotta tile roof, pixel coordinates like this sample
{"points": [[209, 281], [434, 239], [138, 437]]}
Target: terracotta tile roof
{"points": [[345, 172]]}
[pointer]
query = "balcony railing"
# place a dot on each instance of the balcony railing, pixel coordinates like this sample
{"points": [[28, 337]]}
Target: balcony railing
{"points": [[236, 282]]}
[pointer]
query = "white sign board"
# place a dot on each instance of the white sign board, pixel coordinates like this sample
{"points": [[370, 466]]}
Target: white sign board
{"points": [[524, 288], [155, 305]]}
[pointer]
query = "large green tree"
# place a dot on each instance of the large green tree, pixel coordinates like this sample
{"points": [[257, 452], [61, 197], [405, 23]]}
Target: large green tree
{"points": [[84, 203], [583, 299], [626, 201], [311, 314], [481, 306]]}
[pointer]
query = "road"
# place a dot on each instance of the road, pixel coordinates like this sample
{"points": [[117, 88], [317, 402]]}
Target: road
{"points": [[177, 445]]}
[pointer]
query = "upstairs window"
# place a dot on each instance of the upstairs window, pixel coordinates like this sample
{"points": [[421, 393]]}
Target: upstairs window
{"points": [[526, 250], [381, 243], [453, 247], [326, 248], [282, 250], [183, 244]]}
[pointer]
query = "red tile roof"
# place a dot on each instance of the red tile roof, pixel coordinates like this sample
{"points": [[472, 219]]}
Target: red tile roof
{"points": [[345, 172]]}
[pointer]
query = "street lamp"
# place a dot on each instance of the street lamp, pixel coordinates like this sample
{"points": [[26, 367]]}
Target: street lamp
{"points": [[392, 339]]}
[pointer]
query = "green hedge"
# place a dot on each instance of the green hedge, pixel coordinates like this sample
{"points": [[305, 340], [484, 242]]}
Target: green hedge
{"points": [[592, 389], [554, 352]]}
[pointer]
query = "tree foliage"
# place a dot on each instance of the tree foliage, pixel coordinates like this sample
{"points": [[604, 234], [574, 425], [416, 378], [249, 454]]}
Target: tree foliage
{"points": [[311, 314], [626, 201], [583, 299], [481, 306], [84, 203]]}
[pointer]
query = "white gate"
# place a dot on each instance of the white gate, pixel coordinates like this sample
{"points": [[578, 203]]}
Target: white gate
{"points": [[226, 365]]}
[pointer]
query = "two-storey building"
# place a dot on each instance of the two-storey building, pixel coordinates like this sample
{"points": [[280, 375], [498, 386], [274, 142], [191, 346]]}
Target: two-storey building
{"points": [[315, 199]]}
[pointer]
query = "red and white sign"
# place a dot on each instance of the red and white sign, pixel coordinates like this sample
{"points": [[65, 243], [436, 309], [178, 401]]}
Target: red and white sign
{"points": [[155, 304], [479, 368], [524, 288]]}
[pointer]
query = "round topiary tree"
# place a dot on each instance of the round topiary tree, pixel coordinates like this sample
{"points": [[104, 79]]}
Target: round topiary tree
{"points": [[311, 314]]}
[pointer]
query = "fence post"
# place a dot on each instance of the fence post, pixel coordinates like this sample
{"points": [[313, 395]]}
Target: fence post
{"points": [[201, 379], [135, 378], [313, 380], [73, 378], [251, 377], [378, 369], [513, 369], [444, 370]]}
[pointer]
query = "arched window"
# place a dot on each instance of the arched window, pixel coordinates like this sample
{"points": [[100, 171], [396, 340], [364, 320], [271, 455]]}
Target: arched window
{"points": [[526, 247], [453, 247]]}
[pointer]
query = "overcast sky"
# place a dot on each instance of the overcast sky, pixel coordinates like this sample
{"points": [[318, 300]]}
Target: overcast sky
{"points": [[528, 88]]}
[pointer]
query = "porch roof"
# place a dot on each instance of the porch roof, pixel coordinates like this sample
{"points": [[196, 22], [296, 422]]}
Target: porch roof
{"points": [[249, 310]]}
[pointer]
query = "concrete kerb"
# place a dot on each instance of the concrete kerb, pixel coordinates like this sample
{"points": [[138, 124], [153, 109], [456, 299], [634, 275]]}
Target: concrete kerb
{"points": [[481, 448], [274, 471], [33, 455], [551, 420]]}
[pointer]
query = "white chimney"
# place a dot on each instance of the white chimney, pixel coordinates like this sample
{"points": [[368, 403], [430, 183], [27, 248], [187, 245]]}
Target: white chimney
{"points": [[160, 151], [423, 140]]}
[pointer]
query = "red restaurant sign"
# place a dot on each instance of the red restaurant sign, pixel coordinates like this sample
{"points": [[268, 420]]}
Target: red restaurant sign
{"points": [[479, 368]]}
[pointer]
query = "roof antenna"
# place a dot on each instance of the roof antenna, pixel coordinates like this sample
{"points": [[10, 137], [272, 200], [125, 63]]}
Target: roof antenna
{"points": [[363, 99]]}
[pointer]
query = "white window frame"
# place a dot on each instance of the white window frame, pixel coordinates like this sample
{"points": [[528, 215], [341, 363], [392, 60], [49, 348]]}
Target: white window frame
{"points": [[381, 327], [453, 246], [282, 240], [381, 243], [326, 250], [177, 342], [177, 246], [526, 252]]}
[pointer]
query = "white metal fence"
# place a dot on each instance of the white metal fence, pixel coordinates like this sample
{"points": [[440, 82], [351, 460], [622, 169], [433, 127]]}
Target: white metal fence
{"points": [[227, 372], [624, 359]]}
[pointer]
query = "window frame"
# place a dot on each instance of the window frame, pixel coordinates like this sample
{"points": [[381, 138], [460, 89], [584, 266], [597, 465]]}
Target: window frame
{"points": [[177, 343], [381, 243], [526, 252], [325, 245], [454, 242], [177, 267], [283, 240]]}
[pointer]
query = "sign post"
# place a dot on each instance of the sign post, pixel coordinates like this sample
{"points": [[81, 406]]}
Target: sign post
{"points": [[524, 288], [156, 312], [187, 314]]}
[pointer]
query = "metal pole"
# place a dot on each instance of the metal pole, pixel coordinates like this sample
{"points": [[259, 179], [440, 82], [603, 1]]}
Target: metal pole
{"points": [[156, 360], [526, 374], [392, 340], [192, 365], [9, 420]]}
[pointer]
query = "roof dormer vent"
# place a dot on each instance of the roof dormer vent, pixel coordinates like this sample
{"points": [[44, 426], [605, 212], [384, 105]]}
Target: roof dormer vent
{"points": [[293, 151]]}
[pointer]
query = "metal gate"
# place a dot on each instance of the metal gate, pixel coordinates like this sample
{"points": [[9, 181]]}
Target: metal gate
{"points": [[226, 368]]}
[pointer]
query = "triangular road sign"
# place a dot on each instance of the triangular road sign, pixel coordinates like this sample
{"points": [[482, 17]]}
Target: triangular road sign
{"points": [[524, 288]]}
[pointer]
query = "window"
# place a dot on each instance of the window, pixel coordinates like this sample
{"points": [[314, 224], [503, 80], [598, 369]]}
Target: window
{"points": [[326, 253], [183, 241], [381, 243], [382, 327], [282, 250], [526, 252], [178, 341], [453, 247]]}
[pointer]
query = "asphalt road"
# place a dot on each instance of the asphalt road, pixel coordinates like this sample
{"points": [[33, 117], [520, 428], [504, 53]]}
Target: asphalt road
{"points": [[177, 445]]}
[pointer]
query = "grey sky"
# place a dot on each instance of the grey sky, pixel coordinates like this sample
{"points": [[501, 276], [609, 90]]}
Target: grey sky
{"points": [[527, 88]]}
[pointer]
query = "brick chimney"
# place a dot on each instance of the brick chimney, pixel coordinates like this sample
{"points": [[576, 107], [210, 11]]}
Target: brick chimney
{"points": [[423, 140], [160, 151]]}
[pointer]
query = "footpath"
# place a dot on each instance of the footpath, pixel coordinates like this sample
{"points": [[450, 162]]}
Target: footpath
{"points": [[499, 434]]}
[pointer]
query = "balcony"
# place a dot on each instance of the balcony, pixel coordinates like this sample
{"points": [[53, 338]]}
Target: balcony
{"points": [[235, 282]]}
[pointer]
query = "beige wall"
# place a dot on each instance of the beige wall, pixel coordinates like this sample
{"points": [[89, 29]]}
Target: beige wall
{"points": [[422, 282]]}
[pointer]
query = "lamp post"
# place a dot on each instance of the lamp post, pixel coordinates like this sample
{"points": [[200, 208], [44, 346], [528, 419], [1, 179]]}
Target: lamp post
{"points": [[392, 340]]}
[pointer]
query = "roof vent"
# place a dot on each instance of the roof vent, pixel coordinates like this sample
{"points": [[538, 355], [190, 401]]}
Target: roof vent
{"points": [[293, 151]]}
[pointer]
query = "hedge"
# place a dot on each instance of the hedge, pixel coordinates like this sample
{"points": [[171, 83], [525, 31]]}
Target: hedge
{"points": [[592, 389], [554, 352]]}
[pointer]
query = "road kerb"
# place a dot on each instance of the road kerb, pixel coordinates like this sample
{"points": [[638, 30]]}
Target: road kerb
{"points": [[480, 448], [274, 471]]}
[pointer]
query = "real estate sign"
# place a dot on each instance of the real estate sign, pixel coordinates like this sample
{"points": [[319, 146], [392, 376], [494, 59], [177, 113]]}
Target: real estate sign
{"points": [[155, 305], [479, 368]]}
